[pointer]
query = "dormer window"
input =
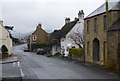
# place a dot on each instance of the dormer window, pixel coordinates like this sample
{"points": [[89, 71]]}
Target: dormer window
{"points": [[34, 37]]}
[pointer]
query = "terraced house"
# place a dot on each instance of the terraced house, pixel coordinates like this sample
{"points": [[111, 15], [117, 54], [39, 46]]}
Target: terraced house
{"points": [[100, 32]]}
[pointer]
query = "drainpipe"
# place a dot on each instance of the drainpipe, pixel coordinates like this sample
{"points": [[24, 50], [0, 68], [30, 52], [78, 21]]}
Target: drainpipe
{"points": [[107, 28], [118, 49]]}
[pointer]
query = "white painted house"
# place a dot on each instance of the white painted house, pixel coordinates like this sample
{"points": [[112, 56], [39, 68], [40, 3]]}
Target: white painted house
{"points": [[5, 39], [70, 28]]}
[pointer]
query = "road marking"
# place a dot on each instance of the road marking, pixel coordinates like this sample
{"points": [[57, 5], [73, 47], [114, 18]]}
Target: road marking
{"points": [[19, 64], [14, 63], [21, 71]]}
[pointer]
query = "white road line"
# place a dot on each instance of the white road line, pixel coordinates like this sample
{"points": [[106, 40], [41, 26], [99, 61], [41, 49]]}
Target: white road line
{"points": [[19, 64], [21, 71], [14, 63]]}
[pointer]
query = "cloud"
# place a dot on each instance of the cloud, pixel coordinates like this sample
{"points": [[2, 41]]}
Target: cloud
{"points": [[25, 15]]}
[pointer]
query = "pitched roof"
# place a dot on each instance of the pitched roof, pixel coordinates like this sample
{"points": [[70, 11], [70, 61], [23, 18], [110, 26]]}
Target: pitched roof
{"points": [[115, 26], [102, 8], [66, 28], [39, 28], [55, 34], [9, 27]]}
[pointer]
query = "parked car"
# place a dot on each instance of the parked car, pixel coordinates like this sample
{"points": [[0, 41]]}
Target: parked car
{"points": [[40, 51], [26, 50]]}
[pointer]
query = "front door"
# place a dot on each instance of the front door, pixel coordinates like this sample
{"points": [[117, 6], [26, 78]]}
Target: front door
{"points": [[96, 50]]}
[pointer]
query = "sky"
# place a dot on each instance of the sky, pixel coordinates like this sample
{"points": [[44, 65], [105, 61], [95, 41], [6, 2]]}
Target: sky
{"points": [[25, 15]]}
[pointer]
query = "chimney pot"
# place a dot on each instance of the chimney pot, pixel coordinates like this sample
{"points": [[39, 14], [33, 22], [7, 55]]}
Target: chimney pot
{"points": [[1, 22], [81, 15], [67, 20], [39, 25]]}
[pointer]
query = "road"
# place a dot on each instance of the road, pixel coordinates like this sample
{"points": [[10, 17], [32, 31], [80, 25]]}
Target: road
{"points": [[42, 67]]}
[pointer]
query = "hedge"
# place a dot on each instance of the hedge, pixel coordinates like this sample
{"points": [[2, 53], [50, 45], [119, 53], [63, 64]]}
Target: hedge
{"points": [[76, 53]]}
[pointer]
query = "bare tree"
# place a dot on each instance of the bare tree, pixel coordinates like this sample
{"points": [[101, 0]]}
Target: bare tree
{"points": [[77, 37]]}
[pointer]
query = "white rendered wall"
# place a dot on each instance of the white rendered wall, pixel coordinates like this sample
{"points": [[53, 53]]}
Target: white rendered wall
{"points": [[5, 39], [66, 41]]}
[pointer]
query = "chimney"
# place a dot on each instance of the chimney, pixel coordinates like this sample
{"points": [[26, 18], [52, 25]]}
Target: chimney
{"points": [[81, 16], [75, 19], [67, 20], [1, 22], [39, 25]]}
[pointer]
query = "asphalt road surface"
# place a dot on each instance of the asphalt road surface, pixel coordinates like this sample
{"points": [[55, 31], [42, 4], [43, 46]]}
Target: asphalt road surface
{"points": [[32, 66]]}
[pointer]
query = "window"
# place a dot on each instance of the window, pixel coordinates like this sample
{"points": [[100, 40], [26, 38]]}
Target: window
{"points": [[105, 22], [34, 37], [95, 24], [87, 26], [87, 47]]}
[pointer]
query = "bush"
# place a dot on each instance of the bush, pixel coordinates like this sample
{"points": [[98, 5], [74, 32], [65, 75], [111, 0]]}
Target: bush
{"points": [[75, 53]]}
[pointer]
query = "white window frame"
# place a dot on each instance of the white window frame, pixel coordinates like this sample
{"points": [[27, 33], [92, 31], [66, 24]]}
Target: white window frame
{"points": [[34, 37]]}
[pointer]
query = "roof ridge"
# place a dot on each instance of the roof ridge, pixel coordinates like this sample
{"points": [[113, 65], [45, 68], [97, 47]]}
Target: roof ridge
{"points": [[102, 9]]}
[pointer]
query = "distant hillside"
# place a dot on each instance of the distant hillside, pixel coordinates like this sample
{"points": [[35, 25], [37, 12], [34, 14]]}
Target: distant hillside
{"points": [[22, 35], [48, 30]]}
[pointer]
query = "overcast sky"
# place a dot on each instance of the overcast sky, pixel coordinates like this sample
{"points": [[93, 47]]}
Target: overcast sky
{"points": [[24, 15]]}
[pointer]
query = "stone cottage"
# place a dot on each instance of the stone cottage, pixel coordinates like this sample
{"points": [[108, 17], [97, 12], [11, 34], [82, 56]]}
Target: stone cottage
{"points": [[69, 32], [39, 38], [98, 39]]}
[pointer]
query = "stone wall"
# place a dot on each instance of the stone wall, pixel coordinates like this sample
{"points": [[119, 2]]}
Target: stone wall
{"points": [[113, 40], [100, 34]]}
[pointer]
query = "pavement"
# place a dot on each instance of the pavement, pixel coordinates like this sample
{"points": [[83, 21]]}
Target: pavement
{"points": [[9, 59], [11, 70]]}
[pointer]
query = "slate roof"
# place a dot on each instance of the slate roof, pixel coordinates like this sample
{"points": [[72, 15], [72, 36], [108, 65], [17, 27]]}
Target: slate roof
{"points": [[55, 34], [115, 26], [102, 8], [9, 27], [66, 28], [40, 29]]}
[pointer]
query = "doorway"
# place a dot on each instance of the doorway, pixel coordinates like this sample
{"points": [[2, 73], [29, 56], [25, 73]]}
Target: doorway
{"points": [[4, 51], [96, 50]]}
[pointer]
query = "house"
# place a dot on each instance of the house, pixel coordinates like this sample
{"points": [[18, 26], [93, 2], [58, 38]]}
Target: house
{"points": [[55, 42], [114, 41], [5, 40], [97, 37], [68, 31], [39, 38]]}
